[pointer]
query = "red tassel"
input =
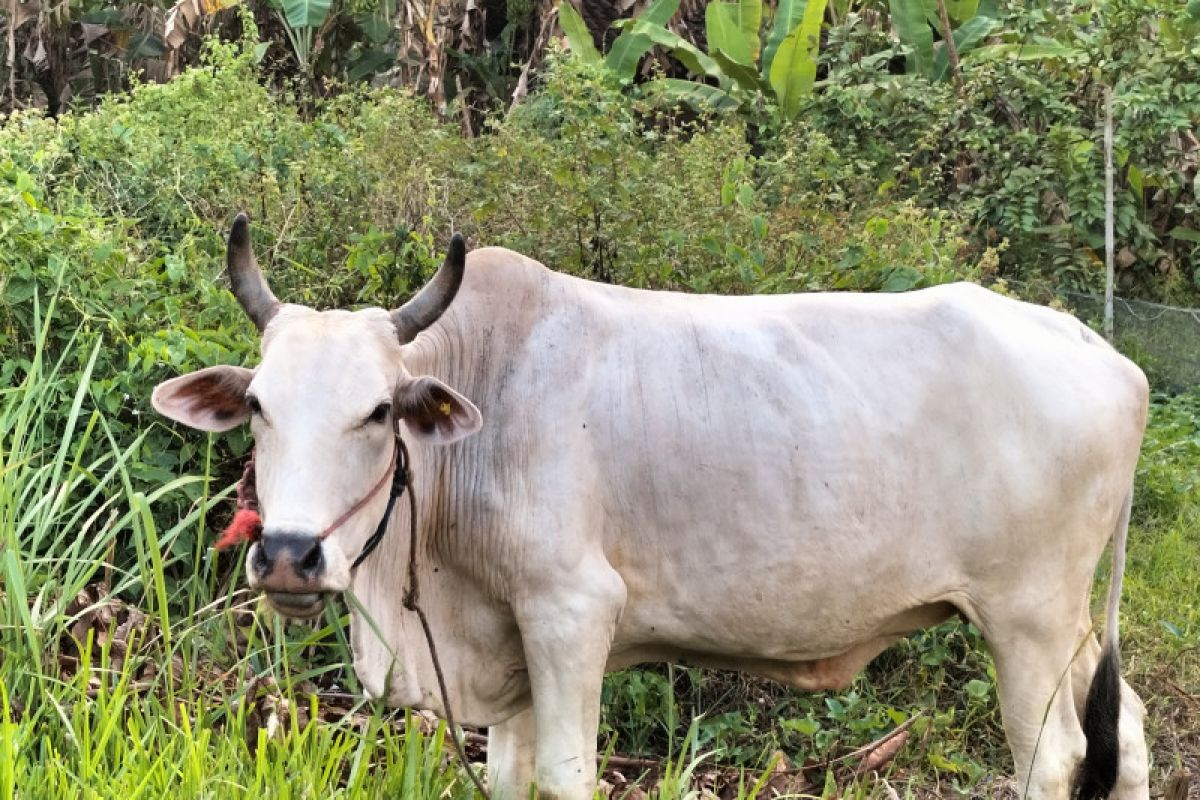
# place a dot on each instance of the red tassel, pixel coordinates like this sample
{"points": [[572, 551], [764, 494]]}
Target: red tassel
{"points": [[245, 527]]}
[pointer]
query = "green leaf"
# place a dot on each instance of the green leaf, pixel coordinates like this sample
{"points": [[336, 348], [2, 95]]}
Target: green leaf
{"points": [[965, 39], [1193, 9], [744, 75], [931, 14], [578, 36], [853, 256], [942, 763], [370, 62], [745, 195], [1134, 176], [1021, 52], [145, 45], [1184, 234], [699, 96], [687, 53], [19, 290], [788, 14], [961, 10], [915, 34], [1171, 627], [805, 727], [629, 47], [724, 33], [376, 26], [760, 227], [750, 19], [795, 65], [306, 13], [978, 689], [901, 279], [732, 27]]}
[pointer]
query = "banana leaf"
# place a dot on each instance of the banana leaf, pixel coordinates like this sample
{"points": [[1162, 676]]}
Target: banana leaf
{"points": [[306, 13], [794, 68], [578, 35], [629, 47]]}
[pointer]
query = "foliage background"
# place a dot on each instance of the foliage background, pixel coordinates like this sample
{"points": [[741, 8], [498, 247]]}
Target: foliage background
{"points": [[884, 179]]}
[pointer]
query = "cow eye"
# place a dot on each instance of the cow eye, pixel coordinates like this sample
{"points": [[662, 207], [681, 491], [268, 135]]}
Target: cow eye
{"points": [[253, 404], [380, 413]]}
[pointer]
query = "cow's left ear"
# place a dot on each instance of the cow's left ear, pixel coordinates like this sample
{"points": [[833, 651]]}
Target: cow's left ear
{"points": [[212, 399], [435, 413]]}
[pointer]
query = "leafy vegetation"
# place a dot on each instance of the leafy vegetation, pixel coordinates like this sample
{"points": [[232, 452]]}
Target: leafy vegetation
{"points": [[130, 657], [744, 70], [118, 682]]}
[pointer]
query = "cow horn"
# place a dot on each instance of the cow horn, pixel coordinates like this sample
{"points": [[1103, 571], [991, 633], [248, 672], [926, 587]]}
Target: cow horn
{"points": [[245, 278], [423, 309]]}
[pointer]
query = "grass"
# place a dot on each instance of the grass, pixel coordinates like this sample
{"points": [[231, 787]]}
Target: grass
{"points": [[154, 676], [140, 682]]}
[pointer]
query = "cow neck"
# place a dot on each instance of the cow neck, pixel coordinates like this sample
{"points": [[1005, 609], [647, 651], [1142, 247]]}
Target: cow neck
{"points": [[412, 593]]}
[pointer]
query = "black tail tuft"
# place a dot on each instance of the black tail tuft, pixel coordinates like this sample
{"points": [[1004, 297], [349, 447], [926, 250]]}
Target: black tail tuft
{"points": [[1098, 773]]}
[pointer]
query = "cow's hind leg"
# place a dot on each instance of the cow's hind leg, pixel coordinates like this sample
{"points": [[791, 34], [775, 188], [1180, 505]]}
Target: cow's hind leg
{"points": [[1033, 671], [1133, 777], [510, 757]]}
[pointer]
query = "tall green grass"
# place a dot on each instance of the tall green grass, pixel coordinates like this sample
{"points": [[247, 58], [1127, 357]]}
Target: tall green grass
{"points": [[165, 693]]}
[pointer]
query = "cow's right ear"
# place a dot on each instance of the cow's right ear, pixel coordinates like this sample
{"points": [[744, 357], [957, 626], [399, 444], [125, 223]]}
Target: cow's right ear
{"points": [[212, 399]]}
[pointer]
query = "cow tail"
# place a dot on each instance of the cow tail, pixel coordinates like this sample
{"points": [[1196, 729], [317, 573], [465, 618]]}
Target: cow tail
{"points": [[1098, 773]]}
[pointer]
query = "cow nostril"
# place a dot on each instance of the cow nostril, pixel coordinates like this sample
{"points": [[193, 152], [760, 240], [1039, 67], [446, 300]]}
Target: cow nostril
{"points": [[313, 559], [261, 563]]}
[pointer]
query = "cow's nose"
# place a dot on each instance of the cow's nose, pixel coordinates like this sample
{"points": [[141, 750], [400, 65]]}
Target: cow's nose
{"points": [[297, 555]]}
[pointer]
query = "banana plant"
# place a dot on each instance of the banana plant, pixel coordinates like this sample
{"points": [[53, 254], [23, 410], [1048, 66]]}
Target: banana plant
{"points": [[916, 20], [301, 20], [628, 48], [737, 71]]}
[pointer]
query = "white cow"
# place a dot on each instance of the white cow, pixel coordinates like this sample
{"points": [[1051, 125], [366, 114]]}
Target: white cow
{"points": [[779, 484]]}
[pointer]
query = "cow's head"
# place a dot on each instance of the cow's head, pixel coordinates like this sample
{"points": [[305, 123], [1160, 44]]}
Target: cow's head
{"points": [[324, 406]]}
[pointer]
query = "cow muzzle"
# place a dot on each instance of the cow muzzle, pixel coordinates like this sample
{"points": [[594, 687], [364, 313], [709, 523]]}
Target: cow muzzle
{"points": [[289, 569]]}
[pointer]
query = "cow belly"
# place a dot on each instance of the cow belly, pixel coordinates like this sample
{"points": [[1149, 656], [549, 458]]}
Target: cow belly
{"points": [[833, 673], [821, 663]]}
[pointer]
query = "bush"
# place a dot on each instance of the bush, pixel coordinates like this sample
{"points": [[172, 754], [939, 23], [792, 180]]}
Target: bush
{"points": [[1019, 151]]}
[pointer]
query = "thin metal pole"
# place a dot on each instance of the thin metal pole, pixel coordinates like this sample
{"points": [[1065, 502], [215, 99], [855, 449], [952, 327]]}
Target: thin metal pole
{"points": [[1109, 235]]}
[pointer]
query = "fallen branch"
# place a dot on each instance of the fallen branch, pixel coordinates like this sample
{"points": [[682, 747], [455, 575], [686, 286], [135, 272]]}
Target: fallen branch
{"points": [[629, 762], [881, 755], [867, 748]]}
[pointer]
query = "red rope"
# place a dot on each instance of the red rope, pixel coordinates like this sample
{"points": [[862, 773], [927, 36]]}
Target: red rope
{"points": [[246, 525]]}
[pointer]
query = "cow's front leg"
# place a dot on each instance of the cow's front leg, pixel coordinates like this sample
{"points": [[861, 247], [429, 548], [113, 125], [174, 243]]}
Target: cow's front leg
{"points": [[510, 757], [566, 633]]}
